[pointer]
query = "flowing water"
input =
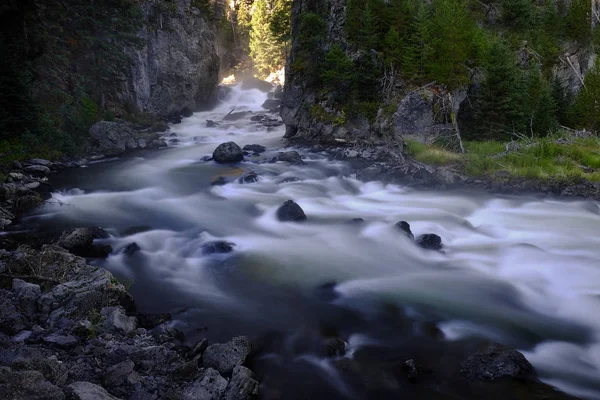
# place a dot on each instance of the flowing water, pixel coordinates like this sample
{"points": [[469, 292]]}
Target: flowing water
{"points": [[517, 270]]}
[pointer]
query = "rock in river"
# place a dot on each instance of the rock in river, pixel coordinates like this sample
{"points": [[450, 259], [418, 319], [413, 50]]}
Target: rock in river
{"points": [[290, 211], [217, 247], [430, 241], [228, 152], [497, 361], [405, 227], [292, 157], [80, 241], [256, 148]]}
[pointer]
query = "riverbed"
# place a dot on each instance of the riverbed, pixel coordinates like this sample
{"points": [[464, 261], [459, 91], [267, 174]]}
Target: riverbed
{"points": [[521, 271]]}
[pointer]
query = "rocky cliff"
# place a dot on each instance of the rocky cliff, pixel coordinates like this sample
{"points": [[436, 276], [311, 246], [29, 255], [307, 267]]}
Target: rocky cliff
{"points": [[178, 65]]}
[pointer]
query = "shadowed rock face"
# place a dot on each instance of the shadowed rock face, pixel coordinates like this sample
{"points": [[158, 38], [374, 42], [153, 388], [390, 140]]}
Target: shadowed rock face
{"points": [[178, 67]]}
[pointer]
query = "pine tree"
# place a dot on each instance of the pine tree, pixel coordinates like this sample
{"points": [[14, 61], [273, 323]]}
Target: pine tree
{"points": [[586, 111], [267, 55], [281, 21], [517, 13], [392, 48], [337, 73], [498, 109], [539, 105], [417, 47], [244, 25]]}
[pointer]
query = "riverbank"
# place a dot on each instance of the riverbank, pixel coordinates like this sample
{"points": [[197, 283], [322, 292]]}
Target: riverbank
{"points": [[518, 170]]}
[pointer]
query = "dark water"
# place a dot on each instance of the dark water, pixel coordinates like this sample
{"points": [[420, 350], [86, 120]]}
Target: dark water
{"points": [[521, 271]]}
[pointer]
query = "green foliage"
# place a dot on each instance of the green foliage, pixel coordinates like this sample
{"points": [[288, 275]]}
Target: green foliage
{"points": [[309, 54], [280, 24], [392, 48], [578, 21], [337, 73], [417, 47], [517, 13], [266, 53], [498, 104], [61, 61], [586, 111], [244, 25]]}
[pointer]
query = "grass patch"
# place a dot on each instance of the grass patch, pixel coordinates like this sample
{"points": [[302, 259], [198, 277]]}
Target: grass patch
{"points": [[552, 158]]}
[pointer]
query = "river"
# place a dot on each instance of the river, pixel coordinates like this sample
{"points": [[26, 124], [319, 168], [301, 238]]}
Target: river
{"points": [[522, 271]]}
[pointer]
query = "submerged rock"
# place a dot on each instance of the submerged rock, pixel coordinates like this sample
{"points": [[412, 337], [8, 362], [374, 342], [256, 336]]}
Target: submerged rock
{"points": [[228, 152], [290, 211], [430, 241], [217, 247], [131, 249], [292, 157], [405, 227], [250, 177], [255, 148], [211, 124], [234, 116], [225, 357], [497, 361], [334, 347]]}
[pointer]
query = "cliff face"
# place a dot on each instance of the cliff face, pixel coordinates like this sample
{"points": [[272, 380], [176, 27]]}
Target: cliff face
{"points": [[425, 109], [306, 113], [178, 65]]}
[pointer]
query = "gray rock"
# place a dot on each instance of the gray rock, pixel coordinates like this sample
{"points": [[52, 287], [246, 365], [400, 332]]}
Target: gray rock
{"points": [[334, 347], [290, 211], [28, 203], [11, 320], [6, 217], [209, 386], [225, 357], [430, 241], [122, 374], [87, 391], [37, 170], [256, 148], [80, 241], [293, 157], [228, 152], [405, 227], [497, 361], [113, 138], [414, 115], [271, 104], [61, 341], [217, 247], [131, 249], [17, 165], [83, 328], [242, 386], [178, 65], [16, 176], [27, 295], [234, 116], [39, 161], [29, 385], [411, 371], [116, 320]]}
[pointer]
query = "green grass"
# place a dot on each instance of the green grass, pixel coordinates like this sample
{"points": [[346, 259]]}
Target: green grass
{"points": [[15, 150], [542, 159]]}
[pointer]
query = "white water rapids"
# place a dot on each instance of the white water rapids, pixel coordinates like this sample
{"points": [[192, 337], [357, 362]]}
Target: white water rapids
{"points": [[518, 270]]}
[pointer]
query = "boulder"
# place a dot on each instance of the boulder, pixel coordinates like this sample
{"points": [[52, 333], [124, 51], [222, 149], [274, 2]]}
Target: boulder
{"points": [[17, 165], [116, 320], [38, 170], [6, 217], [30, 385], [156, 144], [80, 241], [87, 391], [219, 181], [242, 385], [250, 177], [28, 203], [209, 386], [121, 374], [414, 115], [27, 295], [255, 148], [410, 370], [430, 241], [211, 124], [497, 361], [186, 112], [255, 83], [160, 126], [39, 161], [112, 138], [217, 247], [228, 152], [334, 347], [131, 249], [234, 116], [293, 157], [290, 211], [271, 104], [225, 357], [405, 227], [61, 341]]}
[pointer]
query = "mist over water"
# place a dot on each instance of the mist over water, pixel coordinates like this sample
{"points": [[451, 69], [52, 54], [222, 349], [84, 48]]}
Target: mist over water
{"points": [[518, 270]]}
